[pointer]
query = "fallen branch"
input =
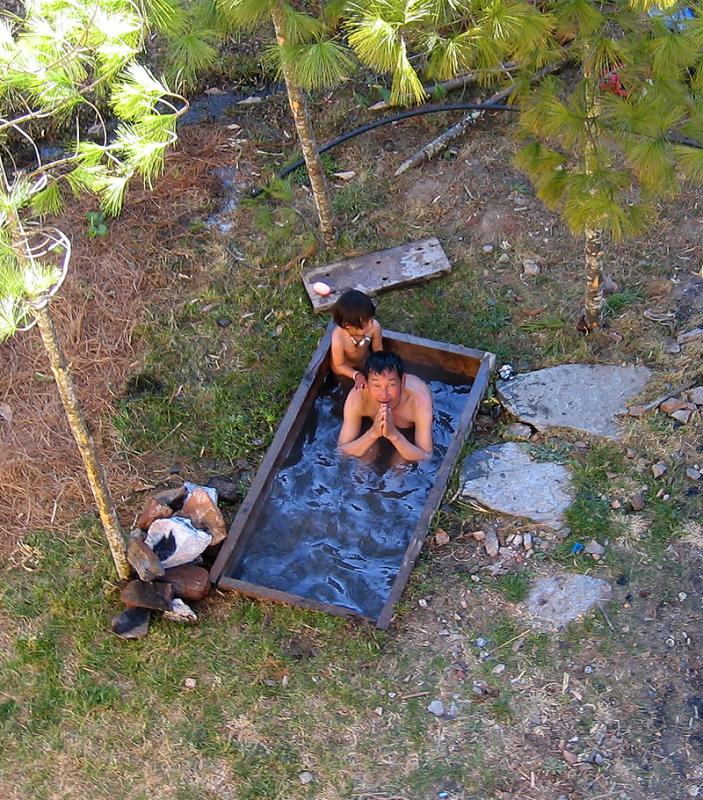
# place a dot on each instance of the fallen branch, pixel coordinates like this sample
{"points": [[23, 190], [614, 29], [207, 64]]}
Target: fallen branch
{"points": [[640, 410], [453, 83], [439, 144]]}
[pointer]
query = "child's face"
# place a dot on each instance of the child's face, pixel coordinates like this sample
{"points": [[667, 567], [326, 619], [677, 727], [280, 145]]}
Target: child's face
{"points": [[366, 330]]}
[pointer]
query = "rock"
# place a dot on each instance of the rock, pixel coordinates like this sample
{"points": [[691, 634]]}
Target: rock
{"points": [[615, 504], [139, 594], [683, 415], [637, 501], [506, 552], [144, 560], [153, 510], [638, 410], [180, 612], [487, 248], [695, 395], [441, 537], [582, 397], [527, 541], [306, 777], [188, 581], [506, 479], [504, 258], [175, 541], [609, 285], [224, 322], [436, 707], [190, 683], [517, 541], [530, 268], [659, 469], [693, 474], [556, 601], [593, 548], [132, 623], [498, 669], [479, 536], [491, 544], [518, 431], [200, 509], [227, 488], [694, 335], [481, 642], [172, 497], [672, 404], [672, 348]]}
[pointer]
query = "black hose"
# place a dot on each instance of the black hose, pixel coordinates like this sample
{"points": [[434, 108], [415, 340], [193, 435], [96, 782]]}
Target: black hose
{"points": [[416, 112], [413, 112]]}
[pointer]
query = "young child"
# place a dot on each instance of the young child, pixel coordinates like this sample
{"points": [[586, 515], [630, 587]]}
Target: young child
{"points": [[357, 334]]}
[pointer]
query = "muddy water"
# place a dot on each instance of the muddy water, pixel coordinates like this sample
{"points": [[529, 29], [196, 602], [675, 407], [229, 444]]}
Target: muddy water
{"points": [[335, 529]]}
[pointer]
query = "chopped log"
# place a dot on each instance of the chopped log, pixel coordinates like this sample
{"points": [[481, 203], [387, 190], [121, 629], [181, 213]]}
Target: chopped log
{"points": [[439, 144]]}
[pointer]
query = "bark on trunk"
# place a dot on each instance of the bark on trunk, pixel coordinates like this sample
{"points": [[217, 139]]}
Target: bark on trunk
{"points": [[306, 135], [94, 470], [594, 301], [593, 250]]}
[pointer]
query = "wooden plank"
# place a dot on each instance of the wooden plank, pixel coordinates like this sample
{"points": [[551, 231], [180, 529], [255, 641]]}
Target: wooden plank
{"points": [[278, 449], [264, 593], [437, 492], [450, 357], [373, 273]]}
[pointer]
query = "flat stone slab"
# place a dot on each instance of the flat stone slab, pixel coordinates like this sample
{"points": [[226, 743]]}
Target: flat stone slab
{"points": [[505, 478], [560, 599], [376, 272], [583, 397]]}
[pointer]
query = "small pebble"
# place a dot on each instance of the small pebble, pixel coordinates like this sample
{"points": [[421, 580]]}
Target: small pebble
{"points": [[693, 474], [436, 708], [190, 683], [682, 596], [504, 258], [481, 642], [224, 322], [487, 248], [588, 669], [498, 669], [306, 777]]}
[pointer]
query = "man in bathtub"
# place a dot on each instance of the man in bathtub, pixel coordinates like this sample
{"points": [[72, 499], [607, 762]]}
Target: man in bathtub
{"points": [[399, 407]]}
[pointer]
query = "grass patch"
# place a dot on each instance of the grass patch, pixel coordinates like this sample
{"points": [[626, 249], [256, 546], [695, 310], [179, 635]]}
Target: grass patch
{"points": [[514, 586]]}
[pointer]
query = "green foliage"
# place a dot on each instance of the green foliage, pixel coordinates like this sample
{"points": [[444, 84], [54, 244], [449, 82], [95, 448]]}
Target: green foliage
{"points": [[58, 58], [600, 150], [442, 39], [97, 225]]}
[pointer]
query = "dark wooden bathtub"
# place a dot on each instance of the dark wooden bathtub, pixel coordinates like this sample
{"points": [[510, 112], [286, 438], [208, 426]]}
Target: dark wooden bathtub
{"points": [[438, 359]]}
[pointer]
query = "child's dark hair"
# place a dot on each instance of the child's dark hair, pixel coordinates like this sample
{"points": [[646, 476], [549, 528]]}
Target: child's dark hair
{"points": [[383, 361], [353, 308]]}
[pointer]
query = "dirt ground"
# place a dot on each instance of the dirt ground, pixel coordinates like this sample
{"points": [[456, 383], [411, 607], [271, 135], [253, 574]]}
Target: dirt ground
{"points": [[609, 709]]}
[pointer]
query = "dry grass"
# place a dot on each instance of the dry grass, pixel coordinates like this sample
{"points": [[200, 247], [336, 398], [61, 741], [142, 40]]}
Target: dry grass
{"points": [[111, 282]]}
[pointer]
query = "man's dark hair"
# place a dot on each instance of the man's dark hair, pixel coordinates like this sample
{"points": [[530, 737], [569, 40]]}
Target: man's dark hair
{"points": [[383, 361], [353, 308]]}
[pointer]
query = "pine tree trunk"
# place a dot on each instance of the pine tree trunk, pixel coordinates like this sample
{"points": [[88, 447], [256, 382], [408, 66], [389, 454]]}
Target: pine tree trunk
{"points": [[594, 302], [306, 135], [76, 421], [593, 250]]}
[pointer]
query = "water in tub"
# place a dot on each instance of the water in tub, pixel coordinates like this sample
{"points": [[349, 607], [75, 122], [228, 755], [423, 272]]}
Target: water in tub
{"points": [[335, 529]]}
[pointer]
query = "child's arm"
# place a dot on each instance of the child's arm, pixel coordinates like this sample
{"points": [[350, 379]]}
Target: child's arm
{"points": [[339, 364], [377, 337]]}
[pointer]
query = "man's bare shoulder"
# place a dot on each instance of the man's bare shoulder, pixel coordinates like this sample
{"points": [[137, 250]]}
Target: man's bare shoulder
{"points": [[418, 388], [355, 403]]}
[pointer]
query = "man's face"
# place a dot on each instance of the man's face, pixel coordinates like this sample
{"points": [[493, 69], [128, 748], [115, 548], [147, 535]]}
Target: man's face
{"points": [[385, 387]]}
